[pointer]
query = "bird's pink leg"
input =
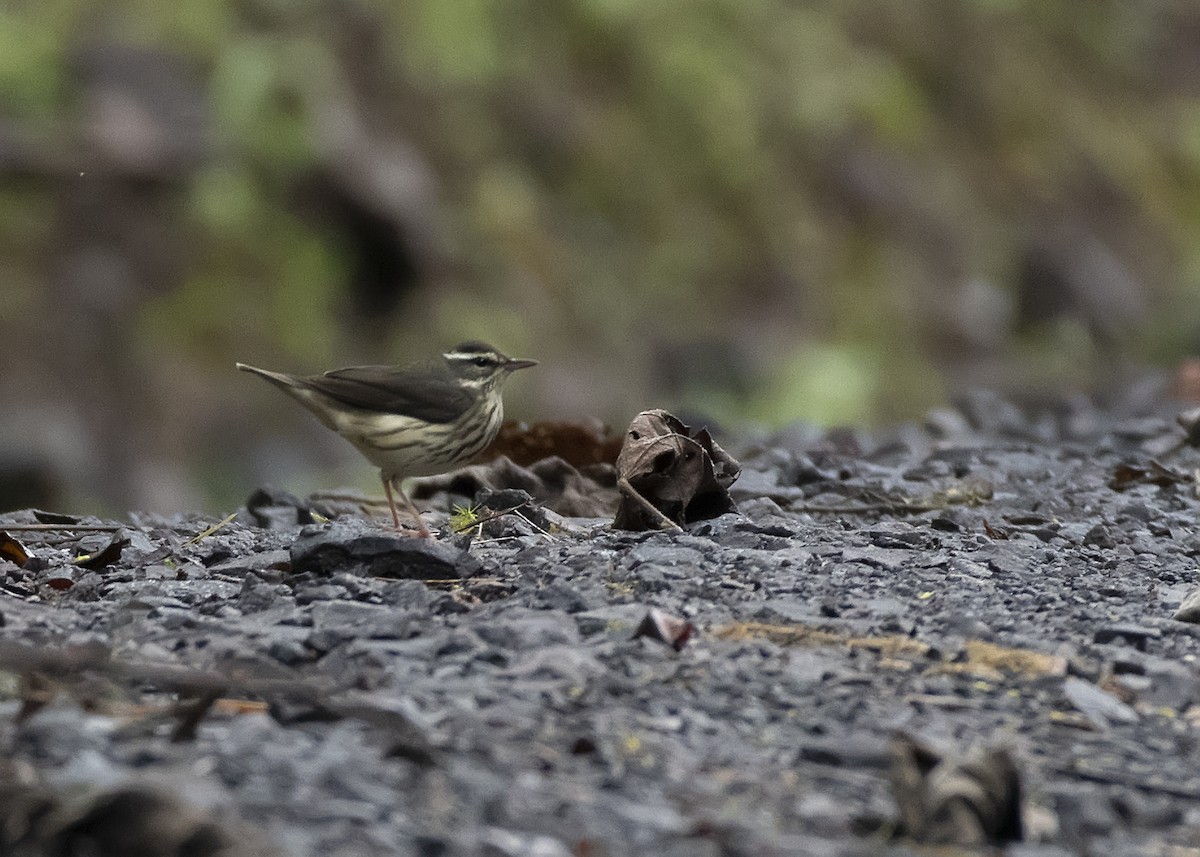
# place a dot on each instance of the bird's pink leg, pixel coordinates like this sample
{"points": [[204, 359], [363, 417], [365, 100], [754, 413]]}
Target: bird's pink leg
{"points": [[387, 488], [422, 530]]}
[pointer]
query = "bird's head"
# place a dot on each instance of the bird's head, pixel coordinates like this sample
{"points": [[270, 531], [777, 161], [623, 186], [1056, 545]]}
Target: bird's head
{"points": [[479, 364]]}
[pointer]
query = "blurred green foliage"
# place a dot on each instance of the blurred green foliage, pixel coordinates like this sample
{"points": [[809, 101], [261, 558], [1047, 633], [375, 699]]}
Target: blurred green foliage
{"points": [[808, 184]]}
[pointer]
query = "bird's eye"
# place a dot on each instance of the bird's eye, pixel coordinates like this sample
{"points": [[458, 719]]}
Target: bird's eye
{"points": [[481, 361]]}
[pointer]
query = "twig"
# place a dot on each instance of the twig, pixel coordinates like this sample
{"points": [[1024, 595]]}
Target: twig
{"points": [[1121, 778], [526, 519], [49, 528], [17, 657], [653, 514], [479, 521], [214, 528], [208, 688]]}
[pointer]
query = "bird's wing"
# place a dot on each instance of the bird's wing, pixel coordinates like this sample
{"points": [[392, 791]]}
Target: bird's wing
{"points": [[428, 393]]}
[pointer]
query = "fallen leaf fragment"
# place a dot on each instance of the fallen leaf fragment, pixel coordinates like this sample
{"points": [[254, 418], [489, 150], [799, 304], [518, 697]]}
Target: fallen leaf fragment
{"points": [[578, 443], [107, 555], [12, 550], [982, 659], [1126, 476], [969, 800], [992, 660], [61, 578], [665, 628], [992, 532], [667, 475]]}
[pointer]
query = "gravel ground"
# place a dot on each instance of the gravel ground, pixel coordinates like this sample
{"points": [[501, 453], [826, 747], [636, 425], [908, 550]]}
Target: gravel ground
{"points": [[339, 689]]}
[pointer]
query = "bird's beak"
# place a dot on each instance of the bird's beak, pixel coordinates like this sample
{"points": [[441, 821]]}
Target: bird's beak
{"points": [[513, 365]]}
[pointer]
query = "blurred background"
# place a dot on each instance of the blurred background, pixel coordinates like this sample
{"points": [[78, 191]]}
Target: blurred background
{"points": [[759, 211]]}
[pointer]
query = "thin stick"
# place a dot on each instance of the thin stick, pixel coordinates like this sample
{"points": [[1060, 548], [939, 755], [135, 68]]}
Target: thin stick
{"points": [[525, 518], [492, 517], [220, 525], [49, 528]]}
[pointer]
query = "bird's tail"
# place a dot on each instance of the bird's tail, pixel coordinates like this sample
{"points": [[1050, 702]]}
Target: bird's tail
{"points": [[279, 379], [295, 386]]}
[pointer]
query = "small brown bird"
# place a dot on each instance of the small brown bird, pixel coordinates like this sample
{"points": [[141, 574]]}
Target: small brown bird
{"points": [[414, 420]]}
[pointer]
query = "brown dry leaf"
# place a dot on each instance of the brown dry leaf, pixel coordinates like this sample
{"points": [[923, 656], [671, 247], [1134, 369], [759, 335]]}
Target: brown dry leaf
{"points": [[665, 628], [992, 532], [580, 444], [12, 550], [887, 645], [1008, 659], [668, 476], [983, 659], [61, 579], [783, 635], [990, 661], [1125, 476], [968, 800], [107, 555]]}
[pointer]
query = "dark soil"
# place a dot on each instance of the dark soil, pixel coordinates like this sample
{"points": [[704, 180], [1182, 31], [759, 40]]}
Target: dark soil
{"points": [[339, 689]]}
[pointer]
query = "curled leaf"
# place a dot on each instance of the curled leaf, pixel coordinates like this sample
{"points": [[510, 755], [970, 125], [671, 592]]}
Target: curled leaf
{"points": [[668, 476], [12, 550], [967, 800], [1125, 476], [61, 578], [665, 628], [108, 553]]}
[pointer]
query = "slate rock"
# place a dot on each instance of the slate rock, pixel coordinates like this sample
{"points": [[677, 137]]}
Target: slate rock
{"points": [[755, 485], [561, 595], [406, 594], [528, 629], [257, 595], [846, 751], [365, 620], [1099, 706], [312, 591], [665, 555], [1127, 634], [372, 552], [886, 559], [291, 653], [947, 424], [1084, 812], [253, 561], [617, 621], [1189, 609]]}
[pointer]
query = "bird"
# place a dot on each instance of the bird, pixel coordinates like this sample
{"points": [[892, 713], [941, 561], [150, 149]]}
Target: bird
{"points": [[415, 420]]}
